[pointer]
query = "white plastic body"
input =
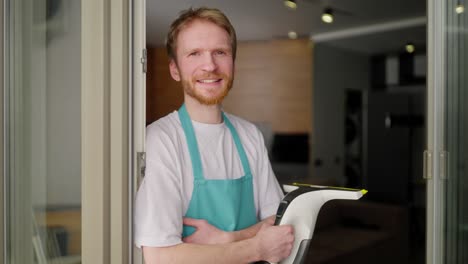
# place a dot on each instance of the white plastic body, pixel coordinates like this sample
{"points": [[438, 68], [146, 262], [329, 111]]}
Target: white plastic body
{"points": [[302, 214]]}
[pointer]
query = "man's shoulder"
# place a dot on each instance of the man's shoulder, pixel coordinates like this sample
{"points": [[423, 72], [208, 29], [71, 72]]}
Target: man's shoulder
{"points": [[164, 124], [165, 128]]}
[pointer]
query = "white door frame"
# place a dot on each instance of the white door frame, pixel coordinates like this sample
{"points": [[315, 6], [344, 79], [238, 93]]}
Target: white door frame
{"points": [[105, 125], [138, 109], [435, 240], [105, 134]]}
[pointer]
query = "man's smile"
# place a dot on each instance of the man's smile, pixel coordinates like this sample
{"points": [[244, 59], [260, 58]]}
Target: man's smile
{"points": [[209, 80]]}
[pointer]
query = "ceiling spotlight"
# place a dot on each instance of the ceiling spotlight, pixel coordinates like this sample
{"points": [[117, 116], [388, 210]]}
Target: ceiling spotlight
{"points": [[459, 9], [327, 15], [292, 35], [409, 48], [290, 4]]}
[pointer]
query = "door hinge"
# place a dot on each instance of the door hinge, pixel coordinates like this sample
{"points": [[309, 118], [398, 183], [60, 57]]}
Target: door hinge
{"points": [[141, 164], [443, 165], [144, 61], [443, 159], [427, 170]]}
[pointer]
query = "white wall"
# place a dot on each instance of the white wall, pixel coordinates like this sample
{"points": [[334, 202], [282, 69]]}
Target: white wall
{"points": [[334, 71]]}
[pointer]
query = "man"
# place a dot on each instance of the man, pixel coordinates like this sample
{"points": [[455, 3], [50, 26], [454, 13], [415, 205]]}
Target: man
{"points": [[208, 178]]}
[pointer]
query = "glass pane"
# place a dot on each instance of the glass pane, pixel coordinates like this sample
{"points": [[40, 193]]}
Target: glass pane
{"points": [[43, 131], [456, 140]]}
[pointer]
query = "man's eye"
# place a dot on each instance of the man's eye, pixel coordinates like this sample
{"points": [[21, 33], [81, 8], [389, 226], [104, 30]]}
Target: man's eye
{"points": [[195, 53], [220, 52]]}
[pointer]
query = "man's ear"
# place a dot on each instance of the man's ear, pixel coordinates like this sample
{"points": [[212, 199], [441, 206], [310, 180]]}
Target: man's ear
{"points": [[174, 70]]}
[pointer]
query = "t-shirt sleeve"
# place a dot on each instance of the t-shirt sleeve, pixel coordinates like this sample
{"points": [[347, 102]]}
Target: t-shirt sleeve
{"points": [[158, 205], [269, 191]]}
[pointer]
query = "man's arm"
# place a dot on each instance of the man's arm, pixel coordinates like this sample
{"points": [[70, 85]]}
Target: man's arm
{"points": [[252, 230], [271, 243], [235, 253], [207, 234]]}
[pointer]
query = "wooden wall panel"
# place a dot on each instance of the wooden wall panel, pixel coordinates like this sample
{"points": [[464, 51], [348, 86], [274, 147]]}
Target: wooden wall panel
{"points": [[250, 97], [292, 77], [272, 84], [163, 94]]}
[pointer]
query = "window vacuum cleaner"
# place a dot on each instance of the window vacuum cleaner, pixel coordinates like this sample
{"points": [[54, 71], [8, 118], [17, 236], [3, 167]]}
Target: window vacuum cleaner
{"points": [[300, 208]]}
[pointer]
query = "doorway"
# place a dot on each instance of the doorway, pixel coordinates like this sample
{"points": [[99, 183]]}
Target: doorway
{"points": [[340, 61]]}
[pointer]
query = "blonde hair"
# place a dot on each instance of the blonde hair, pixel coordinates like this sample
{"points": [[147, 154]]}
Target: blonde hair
{"points": [[202, 13]]}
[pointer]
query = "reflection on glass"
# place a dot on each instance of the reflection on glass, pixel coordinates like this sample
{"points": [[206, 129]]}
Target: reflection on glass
{"points": [[456, 138], [43, 131]]}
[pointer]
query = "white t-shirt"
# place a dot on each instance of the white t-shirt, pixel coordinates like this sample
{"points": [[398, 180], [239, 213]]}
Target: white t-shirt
{"points": [[165, 192]]}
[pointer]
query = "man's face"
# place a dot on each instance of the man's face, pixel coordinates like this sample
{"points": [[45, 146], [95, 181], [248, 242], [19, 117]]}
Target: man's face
{"points": [[204, 62]]}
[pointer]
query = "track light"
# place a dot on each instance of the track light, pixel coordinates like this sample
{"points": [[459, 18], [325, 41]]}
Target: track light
{"points": [[290, 4], [292, 35], [327, 15]]}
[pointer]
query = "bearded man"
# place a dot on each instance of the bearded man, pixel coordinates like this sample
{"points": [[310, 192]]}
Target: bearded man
{"points": [[209, 194]]}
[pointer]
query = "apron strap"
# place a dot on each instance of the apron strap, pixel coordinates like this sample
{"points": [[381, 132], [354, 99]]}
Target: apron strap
{"points": [[193, 145], [192, 142], [240, 148]]}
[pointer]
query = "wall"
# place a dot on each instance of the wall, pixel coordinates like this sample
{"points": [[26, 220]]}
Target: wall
{"points": [[334, 71], [272, 85]]}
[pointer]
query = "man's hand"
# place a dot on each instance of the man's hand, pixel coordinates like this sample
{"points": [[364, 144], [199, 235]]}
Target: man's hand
{"points": [[274, 243], [205, 233]]}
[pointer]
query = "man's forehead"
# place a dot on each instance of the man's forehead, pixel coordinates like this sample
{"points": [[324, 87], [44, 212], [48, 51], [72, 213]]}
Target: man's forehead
{"points": [[203, 32]]}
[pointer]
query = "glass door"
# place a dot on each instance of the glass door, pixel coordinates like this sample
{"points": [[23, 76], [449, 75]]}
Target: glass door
{"points": [[446, 157], [42, 131], [456, 136]]}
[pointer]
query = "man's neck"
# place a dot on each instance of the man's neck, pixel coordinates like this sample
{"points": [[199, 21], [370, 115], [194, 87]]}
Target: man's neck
{"points": [[209, 114]]}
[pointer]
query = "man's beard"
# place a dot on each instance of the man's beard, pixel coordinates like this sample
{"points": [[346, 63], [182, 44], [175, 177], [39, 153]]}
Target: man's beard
{"points": [[189, 88]]}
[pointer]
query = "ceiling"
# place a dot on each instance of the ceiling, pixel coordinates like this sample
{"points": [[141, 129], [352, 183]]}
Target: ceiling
{"points": [[368, 26]]}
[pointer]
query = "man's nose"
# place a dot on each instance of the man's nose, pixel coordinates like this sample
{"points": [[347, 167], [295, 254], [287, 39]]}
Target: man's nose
{"points": [[209, 63]]}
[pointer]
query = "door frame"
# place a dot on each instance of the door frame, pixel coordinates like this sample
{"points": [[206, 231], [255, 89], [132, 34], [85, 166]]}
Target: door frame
{"points": [[2, 139], [105, 75], [137, 110], [105, 93], [105, 134], [434, 155]]}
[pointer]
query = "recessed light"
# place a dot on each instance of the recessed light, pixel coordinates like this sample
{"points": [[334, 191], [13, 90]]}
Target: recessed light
{"points": [[459, 9], [410, 48], [292, 35]]}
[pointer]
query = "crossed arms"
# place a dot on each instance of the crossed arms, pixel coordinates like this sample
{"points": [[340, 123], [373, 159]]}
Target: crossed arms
{"points": [[262, 241]]}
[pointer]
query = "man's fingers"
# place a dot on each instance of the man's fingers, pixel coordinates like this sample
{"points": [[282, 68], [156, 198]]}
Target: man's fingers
{"points": [[193, 222], [190, 221], [187, 239], [270, 220]]}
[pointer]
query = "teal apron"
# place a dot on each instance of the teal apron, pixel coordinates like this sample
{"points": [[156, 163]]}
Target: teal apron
{"points": [[227, 204]]}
